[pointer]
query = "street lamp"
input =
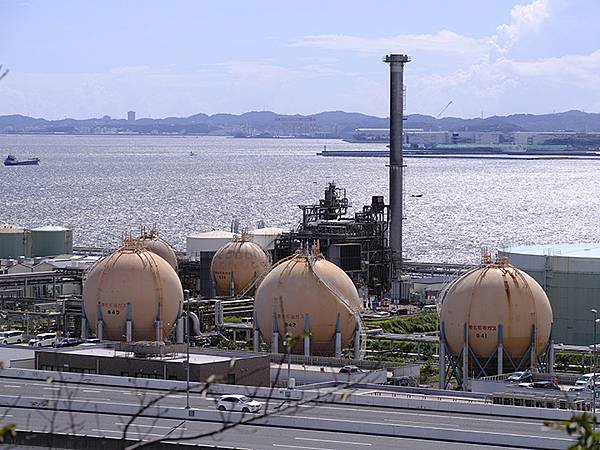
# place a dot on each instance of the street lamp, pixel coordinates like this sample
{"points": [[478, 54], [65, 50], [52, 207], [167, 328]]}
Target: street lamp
{"points": [[187, 358], [288, 346], [595, 312]]}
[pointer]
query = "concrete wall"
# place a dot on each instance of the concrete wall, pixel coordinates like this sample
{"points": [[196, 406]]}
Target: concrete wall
{"points": [[279, 376]]}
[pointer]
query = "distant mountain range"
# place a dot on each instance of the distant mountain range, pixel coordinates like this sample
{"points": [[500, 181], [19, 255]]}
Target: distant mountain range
{"points": [[325, 124]]}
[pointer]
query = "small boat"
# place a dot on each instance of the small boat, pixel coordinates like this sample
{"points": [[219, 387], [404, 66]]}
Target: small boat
{"points": [[192, 154], [12, 161]]}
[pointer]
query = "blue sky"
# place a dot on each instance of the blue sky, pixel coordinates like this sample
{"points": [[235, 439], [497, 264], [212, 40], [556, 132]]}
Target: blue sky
{"points": [[177, 58]]}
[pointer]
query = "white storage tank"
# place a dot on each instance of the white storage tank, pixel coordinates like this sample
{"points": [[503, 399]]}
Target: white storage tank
{"points": [[208, 242], [266, 237], [14, 242], [570, 276], [51, 241]]}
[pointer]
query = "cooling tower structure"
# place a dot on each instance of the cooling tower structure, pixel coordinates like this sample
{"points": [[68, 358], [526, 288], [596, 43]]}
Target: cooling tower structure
{"points": [[132, 294], [152, 242], [310, 303], [494, 317], [238, 267]]}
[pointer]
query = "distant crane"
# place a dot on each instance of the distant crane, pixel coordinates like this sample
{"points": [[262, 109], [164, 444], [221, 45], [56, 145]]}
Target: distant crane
{"points": [[443, 109], [3, 74]]}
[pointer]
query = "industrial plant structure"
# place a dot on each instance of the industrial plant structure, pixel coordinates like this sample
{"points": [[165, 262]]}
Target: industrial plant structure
{"points": [[238, 266], [310, 305], [494, 318], [17, 242], [132, 294]]}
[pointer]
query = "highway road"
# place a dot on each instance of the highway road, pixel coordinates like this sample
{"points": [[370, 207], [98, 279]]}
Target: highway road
{"points": [[248, 436]]}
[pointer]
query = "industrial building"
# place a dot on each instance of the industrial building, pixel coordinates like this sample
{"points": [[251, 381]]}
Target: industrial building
{"points": [[16, 242], [570, 275], [167, 362]]}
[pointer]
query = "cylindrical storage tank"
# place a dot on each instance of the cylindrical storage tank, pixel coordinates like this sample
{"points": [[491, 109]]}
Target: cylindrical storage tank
{"points": [[570, 276], [492, 295], [309, 285], [51, 241], [161, 248], [246, 261], [14, 242], [133, 275], [208, 242], [266, 237]]}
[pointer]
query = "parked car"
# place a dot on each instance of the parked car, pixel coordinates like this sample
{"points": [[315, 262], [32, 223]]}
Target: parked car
{"points": [[350, 369], [67, 342], [237, 403], [585, 380], [11, 337], [520, 377], [542, 385], [43, 340]]}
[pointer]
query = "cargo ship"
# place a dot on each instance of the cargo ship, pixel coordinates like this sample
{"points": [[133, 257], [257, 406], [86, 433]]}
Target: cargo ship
{"points": [[12, 161]]}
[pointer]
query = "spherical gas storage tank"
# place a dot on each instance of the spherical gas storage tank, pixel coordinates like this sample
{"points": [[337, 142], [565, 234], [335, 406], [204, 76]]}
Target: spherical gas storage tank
{"points": [[246, 261], [138, 276], [306, 284], [492, 295], [160, 247]]}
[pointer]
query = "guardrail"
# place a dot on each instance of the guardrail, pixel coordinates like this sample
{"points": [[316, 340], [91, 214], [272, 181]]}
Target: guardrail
{"points": [[293, 421], [330, 394]]}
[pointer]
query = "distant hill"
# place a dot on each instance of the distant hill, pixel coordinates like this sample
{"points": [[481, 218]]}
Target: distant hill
{"points": [[324, 124]]}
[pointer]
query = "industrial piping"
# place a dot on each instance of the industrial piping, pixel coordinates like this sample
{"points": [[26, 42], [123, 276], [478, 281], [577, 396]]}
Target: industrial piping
{"points": [[396, 63]]}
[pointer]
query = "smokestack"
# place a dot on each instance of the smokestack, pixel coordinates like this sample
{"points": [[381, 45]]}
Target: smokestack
{"points": [[396, 63]]}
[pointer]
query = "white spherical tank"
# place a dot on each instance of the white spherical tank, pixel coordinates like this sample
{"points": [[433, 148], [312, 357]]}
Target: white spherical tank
{"points": [[309, 285], [493, 295], [161, 248], [137, 276], [245, 260]]}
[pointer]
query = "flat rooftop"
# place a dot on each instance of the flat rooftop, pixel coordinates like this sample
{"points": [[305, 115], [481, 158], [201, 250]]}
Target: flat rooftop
{"points": [[590, 250], [103, 352]]}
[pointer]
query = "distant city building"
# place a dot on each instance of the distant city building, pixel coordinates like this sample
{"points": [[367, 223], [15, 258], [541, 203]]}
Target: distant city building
{"points": [[130, 116]]}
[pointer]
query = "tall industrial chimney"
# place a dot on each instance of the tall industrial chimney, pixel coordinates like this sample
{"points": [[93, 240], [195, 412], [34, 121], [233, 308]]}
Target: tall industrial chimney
{"points": [[396, 63]]}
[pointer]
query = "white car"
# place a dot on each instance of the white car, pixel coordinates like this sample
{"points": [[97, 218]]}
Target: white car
{"points": [[11, 337], [237, 403], [44, 340], [586, 380]]}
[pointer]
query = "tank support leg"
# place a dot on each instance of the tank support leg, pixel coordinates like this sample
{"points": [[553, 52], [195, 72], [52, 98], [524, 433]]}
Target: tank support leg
{"points": [[100, 323], [256, 337], [158, 325], [465, 374], [533, 350], [179, 327], [500, 350], [357, 341], [275, 343], [442, 368], [338, 338], [306, 335], [84, 327], [550, 368]]}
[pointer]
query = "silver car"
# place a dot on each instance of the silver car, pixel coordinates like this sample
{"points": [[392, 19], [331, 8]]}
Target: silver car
{"points": [[237, 403]]}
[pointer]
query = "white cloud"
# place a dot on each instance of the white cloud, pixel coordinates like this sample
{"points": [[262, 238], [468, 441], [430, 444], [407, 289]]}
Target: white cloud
{"points": [[525, 19], [443, 41]]}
